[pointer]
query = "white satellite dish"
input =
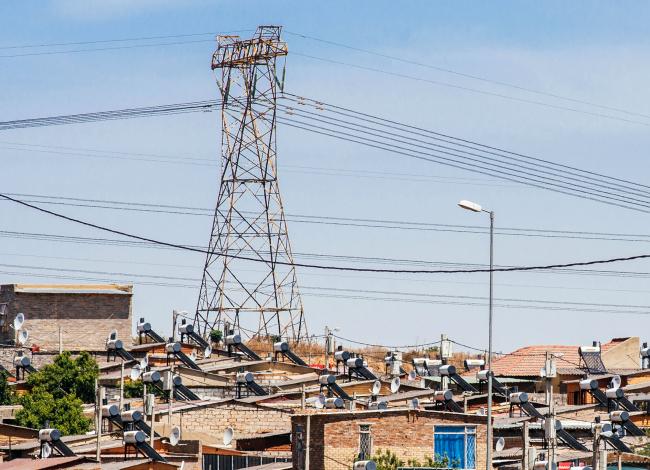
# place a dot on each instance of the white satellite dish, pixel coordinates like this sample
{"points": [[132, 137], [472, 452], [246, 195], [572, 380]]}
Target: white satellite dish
{"points": [[46, 450], [615, 382], [481, 412], [320, 403], [144, 362], [136, 371], [228, 435], [112, 335], [207, 352], [193, 356], [23, 337], [175, 435], [413, 375], [394, 385], [19, 320], [414, 404], [501, 443], [376, 388]]}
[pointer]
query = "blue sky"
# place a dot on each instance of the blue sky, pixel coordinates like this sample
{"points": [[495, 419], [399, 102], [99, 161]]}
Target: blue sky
{"points": [[596, 54]]}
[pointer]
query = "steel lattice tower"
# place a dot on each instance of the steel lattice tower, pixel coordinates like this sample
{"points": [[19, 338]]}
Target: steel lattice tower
{"points": [[258, 295]]}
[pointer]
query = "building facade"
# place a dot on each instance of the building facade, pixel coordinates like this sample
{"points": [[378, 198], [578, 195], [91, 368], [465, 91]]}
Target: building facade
{"points": [[80, 317], [334, 440]]}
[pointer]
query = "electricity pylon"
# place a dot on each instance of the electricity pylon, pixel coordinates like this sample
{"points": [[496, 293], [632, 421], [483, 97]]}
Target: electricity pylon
{"points": [[249, 281]]}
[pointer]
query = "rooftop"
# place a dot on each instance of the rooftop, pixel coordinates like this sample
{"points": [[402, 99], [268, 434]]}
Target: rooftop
{"points": [[109, 289]]}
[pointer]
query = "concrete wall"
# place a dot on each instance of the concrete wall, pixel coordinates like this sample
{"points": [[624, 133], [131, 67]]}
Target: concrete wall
{"points": [[625, 355], [85, 320], [334, 437]]}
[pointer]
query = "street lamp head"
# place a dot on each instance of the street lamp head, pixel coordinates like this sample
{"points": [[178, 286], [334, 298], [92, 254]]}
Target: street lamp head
{"points": [[470, 206]]}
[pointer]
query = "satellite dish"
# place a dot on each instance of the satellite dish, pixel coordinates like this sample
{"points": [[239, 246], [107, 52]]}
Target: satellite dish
{"points": [[376, 388], [175, 435], [394, 385], [481, 412], [23, 337], [616, 382], [320, 403], [413, 375], [193, 356], [112, 335], [501, 443], [136, 371], [228, 434], [46, 450], [207, 352], [144, 362], [19, 320], [414, 404]]}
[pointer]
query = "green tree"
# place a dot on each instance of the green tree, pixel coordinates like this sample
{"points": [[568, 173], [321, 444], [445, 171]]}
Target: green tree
{"points": [[6, 394], [135, 389], [68, 375], [216, 336], [64, 413]]}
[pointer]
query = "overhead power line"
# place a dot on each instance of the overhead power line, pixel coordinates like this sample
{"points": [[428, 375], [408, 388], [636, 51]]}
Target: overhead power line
{"points": [[470, 76], [360, 222], [319, 266]]}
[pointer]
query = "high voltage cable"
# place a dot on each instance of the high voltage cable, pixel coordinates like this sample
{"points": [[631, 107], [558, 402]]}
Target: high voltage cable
{"points": [[437, 158], [336, 221], [462, 141], [546, 168], [470, 89], [470, 76], [318, 266]]}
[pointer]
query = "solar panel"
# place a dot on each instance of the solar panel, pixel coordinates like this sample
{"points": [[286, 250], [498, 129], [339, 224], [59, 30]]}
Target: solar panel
{"points": [[592, 360]]}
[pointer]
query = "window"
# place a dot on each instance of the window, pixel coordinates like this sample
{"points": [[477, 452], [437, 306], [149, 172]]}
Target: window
{"points": [[457, 444], [365, 442]]}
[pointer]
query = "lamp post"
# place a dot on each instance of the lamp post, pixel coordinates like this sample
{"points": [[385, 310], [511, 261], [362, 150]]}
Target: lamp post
{"points": [[472, 206]]}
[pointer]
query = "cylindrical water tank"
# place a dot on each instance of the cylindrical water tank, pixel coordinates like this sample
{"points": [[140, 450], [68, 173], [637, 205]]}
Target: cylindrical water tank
{"points": [[245, 377], [177, 380], [114, 344], [186, 328], [354, 362], [619, 416], [443, 395], [327, 379], [49, 435], [130, 416], [144, 327], [544, 465], [341, 355], [364, 465], [334, 402], [172, 348], [281, 346], [482, 375], [151, 377], [614, 393], [233, 339], [134, 437], [447, 370], [419, 361], [109, 411], [588, 384], [518, 397]]}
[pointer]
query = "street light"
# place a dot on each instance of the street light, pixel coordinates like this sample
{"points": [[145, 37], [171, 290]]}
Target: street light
{"points": [[472, 206]]}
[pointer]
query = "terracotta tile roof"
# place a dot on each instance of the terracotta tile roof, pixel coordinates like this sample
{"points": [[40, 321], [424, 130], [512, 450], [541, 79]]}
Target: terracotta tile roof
{"points": [[527, 361]]}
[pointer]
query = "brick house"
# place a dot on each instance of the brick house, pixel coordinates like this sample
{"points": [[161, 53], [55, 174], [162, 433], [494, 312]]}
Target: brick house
{"points": [[336, 439], [84, 314]]}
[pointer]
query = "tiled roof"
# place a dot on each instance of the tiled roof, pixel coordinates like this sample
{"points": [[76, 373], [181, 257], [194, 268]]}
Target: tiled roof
{"points": [[527, 361]]}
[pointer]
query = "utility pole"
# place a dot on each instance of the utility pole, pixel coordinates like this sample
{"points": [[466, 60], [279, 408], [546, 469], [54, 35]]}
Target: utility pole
{"points": [[122, 386], [99, 401], [550, 373], [525, 458], [596, 449]]}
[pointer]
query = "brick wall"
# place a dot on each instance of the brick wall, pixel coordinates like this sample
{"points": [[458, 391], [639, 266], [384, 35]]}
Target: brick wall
{"points": [[245, 419], [85, 319], [334, 437]]}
